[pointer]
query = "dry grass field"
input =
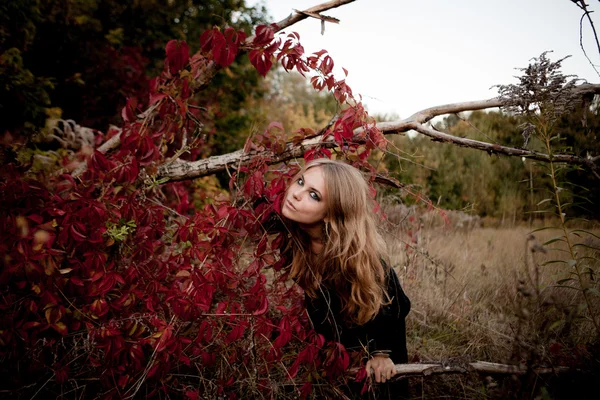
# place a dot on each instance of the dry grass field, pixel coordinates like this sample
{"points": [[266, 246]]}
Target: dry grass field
{"points": [[489, 294]]}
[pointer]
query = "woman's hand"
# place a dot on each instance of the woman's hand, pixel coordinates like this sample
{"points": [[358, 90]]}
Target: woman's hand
{"points": [[382, 367]]}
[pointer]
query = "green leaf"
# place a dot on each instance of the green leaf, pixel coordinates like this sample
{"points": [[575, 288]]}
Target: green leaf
{"points": [[586, 232], [555, 239], [586, 246], [553, 262], [583, 188], [561, 250], [543, 201], [583, 198], [546, 228], [579, 219], [563, 281], [556, 324], [589, 258], [568, 287]]}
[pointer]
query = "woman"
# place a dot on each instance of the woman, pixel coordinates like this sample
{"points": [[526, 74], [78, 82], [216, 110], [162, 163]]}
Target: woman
{"points": [[352, 296]]}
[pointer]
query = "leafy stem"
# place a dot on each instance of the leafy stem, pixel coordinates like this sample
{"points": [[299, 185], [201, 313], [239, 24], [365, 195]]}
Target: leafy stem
{"points": [[545, 133]]}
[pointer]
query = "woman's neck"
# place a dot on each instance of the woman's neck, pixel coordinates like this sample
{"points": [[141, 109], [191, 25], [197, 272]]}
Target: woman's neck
{"points": [[315, 234], [316, 246]]}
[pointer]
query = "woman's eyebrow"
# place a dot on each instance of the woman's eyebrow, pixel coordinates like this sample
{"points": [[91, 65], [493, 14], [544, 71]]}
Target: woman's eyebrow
{"points": [[311, 187]]}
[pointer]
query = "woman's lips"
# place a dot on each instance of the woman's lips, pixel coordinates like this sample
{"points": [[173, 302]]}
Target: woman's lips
{"points": [[290, 205]]}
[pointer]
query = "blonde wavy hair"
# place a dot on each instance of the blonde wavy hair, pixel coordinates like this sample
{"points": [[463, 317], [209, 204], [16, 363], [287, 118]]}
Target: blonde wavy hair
{"points": [[350, 263]]}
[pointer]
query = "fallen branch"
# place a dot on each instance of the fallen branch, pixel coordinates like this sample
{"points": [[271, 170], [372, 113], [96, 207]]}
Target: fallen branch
{"points": [[482, 367]]}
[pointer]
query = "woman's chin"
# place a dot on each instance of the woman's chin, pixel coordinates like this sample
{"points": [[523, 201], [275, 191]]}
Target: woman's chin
{"points": [[286, 212]]}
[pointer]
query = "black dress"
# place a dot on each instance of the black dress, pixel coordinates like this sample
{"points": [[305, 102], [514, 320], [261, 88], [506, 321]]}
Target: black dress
{"points": [[386, 332]]}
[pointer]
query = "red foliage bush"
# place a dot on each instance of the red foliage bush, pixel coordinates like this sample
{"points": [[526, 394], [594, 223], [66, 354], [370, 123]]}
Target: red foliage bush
{"points": [[113, 286]]}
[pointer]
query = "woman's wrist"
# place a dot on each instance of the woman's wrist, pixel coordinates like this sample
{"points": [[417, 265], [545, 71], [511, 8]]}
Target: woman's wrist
{"points": [[381, 353]]}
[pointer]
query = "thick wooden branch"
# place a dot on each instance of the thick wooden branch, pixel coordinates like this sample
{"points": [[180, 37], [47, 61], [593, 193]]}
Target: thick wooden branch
{"points": [[182, 170], [311, 12], [482, 367], [189, 170]]}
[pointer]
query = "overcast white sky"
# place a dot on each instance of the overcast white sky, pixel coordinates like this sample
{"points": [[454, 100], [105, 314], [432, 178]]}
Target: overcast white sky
{"points": [[403, 56]]}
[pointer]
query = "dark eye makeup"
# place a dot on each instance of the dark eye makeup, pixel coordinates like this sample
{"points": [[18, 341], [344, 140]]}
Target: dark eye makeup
{"points": [[313, 194]]}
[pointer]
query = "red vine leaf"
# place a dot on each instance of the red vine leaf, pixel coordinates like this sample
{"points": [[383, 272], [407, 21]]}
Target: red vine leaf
{"points": [[178, 55]]}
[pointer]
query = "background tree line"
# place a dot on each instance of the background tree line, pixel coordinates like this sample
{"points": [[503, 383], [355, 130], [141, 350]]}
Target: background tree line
{"points": [[508, 188], [82, 60]]}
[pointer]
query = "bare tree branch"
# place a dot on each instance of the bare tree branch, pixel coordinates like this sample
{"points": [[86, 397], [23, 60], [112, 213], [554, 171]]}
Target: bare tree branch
{"points": [[188, 170], [212, 67], [586, 13]]}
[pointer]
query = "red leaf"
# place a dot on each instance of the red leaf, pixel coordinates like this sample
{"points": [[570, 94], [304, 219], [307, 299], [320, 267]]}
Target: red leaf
{"points": [[207, 39], [61, 373], [178, 55], [264, 35], [361, 375], [305, 390], [254, 186], [263, 307], [320, 53], [208, 359], [75, 234], [285, 334], [218, 45], [29, 325], [61, 328], [155, 97], [185, 360], [261, 60], [122, 381], [236, 333], [276, 125], [128, 112], [326, 65], [76, 281], [317, 82], [226, 47]]}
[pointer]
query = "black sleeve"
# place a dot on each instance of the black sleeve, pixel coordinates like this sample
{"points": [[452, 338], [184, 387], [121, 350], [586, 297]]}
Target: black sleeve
{"points": [[323, 312], [387, 331]]}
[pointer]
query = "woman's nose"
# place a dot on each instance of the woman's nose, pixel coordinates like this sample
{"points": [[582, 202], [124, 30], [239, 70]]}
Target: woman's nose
{"points": [[296, 194]]}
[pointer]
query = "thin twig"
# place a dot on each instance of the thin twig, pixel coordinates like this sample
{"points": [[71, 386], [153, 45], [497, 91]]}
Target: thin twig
{"points": [[586, 13]]}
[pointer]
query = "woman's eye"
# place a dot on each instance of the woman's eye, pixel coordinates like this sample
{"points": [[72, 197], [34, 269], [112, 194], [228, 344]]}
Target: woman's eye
{"points": [[314, 196], [300, 181]]}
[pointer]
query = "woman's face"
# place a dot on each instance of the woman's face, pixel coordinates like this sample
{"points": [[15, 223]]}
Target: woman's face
{"points": [[306, 198]]}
